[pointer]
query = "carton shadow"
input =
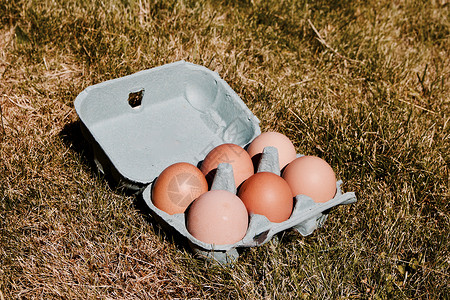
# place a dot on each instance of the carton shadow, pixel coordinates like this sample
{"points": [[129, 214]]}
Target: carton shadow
{"points": [[74, 140], [162, 230]]}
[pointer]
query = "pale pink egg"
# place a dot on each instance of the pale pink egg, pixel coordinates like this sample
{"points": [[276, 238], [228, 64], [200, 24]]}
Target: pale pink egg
{"points": [[217, 217], [311, 176], [286, 150]]}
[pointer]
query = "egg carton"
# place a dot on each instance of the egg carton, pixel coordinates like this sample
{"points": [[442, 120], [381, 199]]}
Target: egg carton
{"points": [[139, 124], [306, 216]]}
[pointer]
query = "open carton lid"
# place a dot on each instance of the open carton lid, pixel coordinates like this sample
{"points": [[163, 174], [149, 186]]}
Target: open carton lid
{"points": [[142, 123]]}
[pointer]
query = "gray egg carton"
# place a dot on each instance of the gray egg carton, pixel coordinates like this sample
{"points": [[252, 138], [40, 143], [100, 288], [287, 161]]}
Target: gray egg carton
{"points": [[306, 216], [140, 124]]}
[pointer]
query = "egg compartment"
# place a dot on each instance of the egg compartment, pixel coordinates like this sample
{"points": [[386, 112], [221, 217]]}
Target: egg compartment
{"points": [[306, 216], [140, 124]]}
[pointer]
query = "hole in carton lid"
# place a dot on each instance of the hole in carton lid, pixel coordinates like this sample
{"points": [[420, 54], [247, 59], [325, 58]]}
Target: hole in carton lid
{"points": [[135, 98]]}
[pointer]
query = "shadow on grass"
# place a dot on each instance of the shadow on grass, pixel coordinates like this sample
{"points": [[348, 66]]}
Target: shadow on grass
{"points": [[161, 227], [74, 139]]}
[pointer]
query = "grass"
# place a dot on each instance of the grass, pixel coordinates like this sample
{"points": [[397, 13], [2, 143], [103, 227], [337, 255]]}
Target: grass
{"points": [[362, 84]]}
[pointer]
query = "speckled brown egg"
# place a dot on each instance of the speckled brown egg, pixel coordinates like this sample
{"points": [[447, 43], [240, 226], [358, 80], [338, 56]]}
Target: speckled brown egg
{"points": [[177, 186]]}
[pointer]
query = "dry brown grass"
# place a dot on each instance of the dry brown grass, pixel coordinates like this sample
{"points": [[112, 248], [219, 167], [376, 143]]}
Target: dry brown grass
{"points": [[362, 84]]}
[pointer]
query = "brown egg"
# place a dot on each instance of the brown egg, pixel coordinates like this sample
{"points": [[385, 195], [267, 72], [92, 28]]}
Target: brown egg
{"points": [[286, 150], [311, 176], [217, 217], [267, 194], [177, 186], [232, 154]]}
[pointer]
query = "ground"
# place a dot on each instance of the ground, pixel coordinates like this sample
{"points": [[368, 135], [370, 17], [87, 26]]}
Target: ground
{"points": [[362, 84]]}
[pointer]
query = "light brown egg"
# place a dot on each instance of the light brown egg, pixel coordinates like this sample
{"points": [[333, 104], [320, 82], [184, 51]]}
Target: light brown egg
{"points": [[267, 194], [217, 217], [177, 186], [311, 176], [233, 154], [286, 150]]}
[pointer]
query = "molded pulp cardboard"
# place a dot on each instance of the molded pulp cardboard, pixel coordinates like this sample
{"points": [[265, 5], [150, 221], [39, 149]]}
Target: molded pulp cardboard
{"points": [[140, 124]]}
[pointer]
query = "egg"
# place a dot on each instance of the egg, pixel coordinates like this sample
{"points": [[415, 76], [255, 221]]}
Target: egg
{"points": [[311, 176], [233, 154], [286, 150], [177, 186], [267, 194], [217, 217]]}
